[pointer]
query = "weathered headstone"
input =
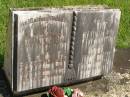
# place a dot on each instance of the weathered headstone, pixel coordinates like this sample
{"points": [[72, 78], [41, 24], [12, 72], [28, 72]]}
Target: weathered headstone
{"points": [[57, 46]]}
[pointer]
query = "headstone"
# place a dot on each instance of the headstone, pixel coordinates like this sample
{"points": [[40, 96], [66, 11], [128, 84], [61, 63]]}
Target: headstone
{"points": [[58, 46]]}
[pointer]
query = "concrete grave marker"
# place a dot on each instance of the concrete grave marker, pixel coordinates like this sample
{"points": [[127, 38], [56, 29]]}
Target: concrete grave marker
{"points": [[56, 46]]}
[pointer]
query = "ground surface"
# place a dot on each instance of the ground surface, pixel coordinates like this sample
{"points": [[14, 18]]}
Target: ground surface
{"points": [[112, 85]]}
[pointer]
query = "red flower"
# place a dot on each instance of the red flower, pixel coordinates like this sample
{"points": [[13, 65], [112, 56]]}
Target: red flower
{"points": [[56, 92]]}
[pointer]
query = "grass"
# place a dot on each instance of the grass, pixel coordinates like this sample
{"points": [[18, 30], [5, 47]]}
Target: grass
{"points": [[123, 39]]}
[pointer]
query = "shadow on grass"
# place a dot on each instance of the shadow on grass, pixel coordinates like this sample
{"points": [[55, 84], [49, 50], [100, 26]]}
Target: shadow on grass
{"points": [[5, 89], [1, 60]]}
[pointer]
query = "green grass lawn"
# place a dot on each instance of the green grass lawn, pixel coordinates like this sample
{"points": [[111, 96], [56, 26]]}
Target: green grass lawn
{"points": [[123, 39]]}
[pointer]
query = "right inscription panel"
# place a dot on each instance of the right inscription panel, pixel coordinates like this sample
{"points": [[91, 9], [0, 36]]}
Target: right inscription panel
{"points": [[95, 42]]}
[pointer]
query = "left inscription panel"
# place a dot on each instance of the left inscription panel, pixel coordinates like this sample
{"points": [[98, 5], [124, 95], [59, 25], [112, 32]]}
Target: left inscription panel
{"points": [[43, 39]]}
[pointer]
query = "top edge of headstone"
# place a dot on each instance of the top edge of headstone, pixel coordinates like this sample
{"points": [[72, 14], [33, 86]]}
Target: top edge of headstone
{"points": [[80, 7], [89, 7]]}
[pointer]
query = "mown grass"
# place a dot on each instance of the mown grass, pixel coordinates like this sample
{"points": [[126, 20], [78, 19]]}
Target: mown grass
{"points": [[123, 39]]}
